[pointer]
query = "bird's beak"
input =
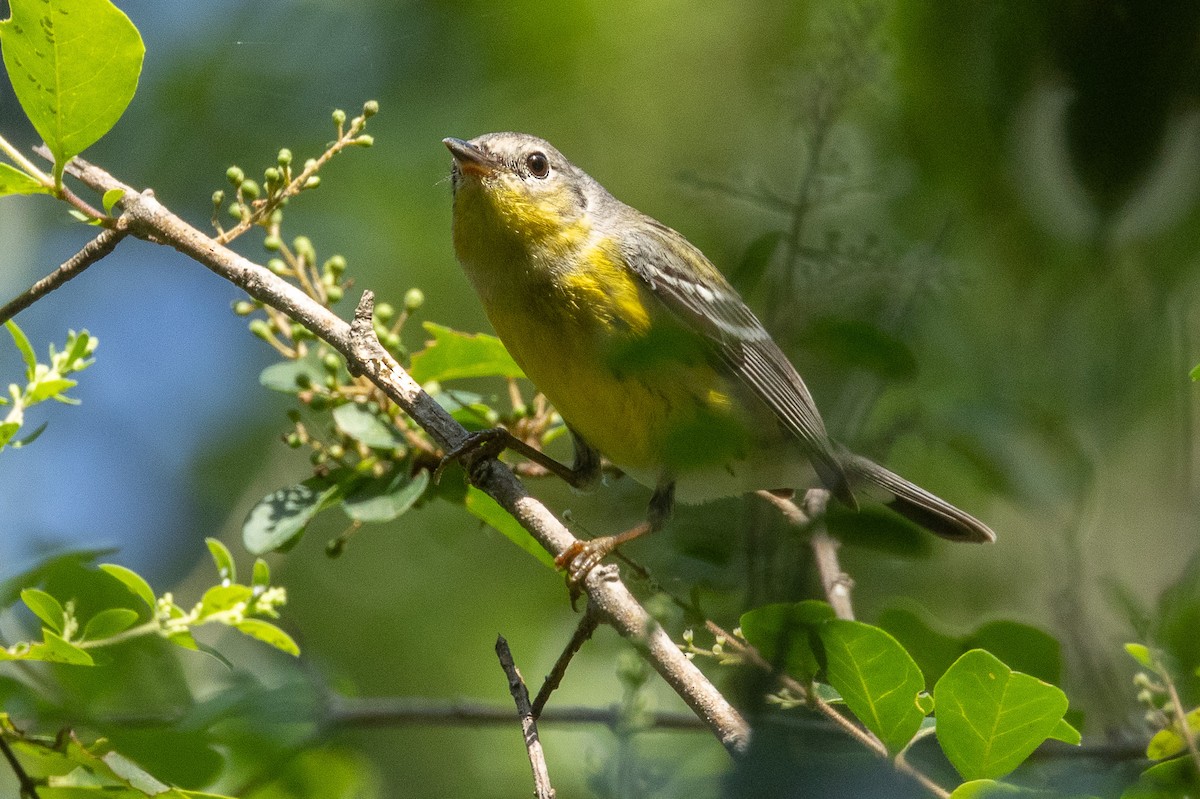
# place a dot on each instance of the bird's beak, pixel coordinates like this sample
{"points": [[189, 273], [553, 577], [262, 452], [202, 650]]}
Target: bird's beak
{"points": [[470, 159]]}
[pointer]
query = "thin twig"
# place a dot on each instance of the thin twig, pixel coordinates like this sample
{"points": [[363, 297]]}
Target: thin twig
{"points": [[835, 582], [583, 632], [93, 251], [28, 786], [611, 600], [533, 745], [1185, 730]]}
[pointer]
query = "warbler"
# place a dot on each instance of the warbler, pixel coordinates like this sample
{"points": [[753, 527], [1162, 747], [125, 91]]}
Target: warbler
{"points": [[646, 351]]}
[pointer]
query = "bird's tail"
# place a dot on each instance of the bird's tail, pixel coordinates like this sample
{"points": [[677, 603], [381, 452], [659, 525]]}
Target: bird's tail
{"points": [[915, 503]]}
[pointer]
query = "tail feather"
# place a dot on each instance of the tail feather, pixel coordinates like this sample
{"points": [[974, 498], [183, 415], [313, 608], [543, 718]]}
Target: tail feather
{"points": [[916, 504]]}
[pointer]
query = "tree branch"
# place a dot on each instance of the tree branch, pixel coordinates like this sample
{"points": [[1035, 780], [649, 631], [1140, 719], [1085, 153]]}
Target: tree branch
{"points": [[835, 582], [542, 788], [587, 626], [28, 786], [608, 597], [93, 251]]}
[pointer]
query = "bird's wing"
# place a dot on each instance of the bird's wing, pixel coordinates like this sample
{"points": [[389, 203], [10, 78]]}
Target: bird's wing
{"points": [[667, 264]]}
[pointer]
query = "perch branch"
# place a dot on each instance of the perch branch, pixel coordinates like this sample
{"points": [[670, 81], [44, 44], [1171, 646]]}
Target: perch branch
{"points": [[93, 251], [533, 744]]}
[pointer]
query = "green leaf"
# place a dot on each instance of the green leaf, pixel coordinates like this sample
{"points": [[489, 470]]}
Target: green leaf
{"points": [[14, 181], [783, 634], [1063, 731], [1173, 779], [453, 355], [280, 517], [109, 622], [990, 789], [878, 679], [111, 198], [385, 498], [484, 508], [45, 607], [27, 440], [270, 634], [990, 718], [7, 431], [1140, 653], [133, 581], [366, 426], [223, 597], [261, 578], [74, 66], [1168, 742], [50, 387], [56, 650], [22, 342], [1195, 373], [292, 376], [223, 559]]}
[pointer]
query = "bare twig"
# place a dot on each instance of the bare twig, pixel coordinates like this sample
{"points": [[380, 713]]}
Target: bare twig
{"points": [[93, 251], [148, 219], [587, 626], [28, 786], [1185, 730], [835, 582], [533, 745]]}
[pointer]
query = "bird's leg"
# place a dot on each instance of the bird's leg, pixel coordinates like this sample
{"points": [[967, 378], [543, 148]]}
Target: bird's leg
{"points": [[582, 474], [583, 556]]}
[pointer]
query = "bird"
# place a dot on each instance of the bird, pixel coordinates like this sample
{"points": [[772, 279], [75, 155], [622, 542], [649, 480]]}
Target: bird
{"points": [[646, 351]]}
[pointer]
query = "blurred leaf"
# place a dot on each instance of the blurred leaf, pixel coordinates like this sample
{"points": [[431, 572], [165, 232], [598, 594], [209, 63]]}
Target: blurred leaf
{"points": [[45, 607], [290, 377], [109, 622], [270, 634], [27, 440], [755, 261], [74, 66], [880, 530], [325, 773], [50, 387], [484, 508], [14, 181], [1175, 632], [280, 517], [385, 498], [453, 355], [1140, 653], [933, 651], [1021, 647], [262, 574], [1168, 742], [990, 718], [877, 678], [1195, 373], [1174, 779], [784, 634], [223, 559], [854, 343], [133, 581], [366, 426], [990, 789]]}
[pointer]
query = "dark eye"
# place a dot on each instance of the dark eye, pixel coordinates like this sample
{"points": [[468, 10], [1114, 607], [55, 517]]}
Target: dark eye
{"points": [[539, 165]]}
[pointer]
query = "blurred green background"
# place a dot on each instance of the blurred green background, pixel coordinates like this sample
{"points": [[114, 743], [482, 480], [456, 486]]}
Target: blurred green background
{"points": [[990, 287]]}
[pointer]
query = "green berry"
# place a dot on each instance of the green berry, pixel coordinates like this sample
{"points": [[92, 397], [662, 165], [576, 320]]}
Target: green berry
{"points": [[218, 197], [277, 266], [260, 328], [285, 157], [413, 299], [331, 362], [370, 108], [235, 176], [334, 293], [337, 451], [384, 312], [293, 440], [365, 140], [303, 247], [339, 117], [243, 307], [272, 244], [319, 402], [250, 189]]}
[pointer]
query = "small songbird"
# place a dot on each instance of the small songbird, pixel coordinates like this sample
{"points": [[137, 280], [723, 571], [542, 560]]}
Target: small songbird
{"points": [[645, 349]]}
